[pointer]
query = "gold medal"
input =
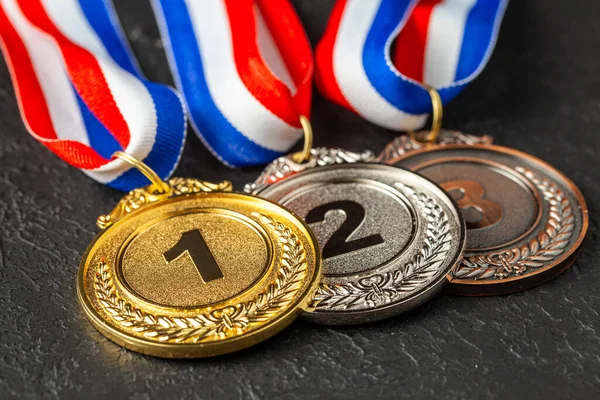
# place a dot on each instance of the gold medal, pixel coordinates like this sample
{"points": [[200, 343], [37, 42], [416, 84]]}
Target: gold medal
{"points": [[190, 269]]}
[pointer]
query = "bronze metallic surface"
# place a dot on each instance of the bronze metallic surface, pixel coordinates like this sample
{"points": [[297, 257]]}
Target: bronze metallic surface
{"points": [[486, 193], [525, 219], [197, 272]]}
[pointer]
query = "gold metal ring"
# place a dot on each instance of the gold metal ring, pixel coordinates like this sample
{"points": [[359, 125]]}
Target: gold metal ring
{"points": [[436, 118], [308, 141], [159, 186]]}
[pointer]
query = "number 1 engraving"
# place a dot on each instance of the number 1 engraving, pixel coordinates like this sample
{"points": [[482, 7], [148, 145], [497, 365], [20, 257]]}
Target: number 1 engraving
{"points": [[193, 244], [339, 244]]}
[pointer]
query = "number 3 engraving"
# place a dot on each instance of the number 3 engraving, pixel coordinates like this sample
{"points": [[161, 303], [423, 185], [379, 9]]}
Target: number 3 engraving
{"points": [[470, 195], [192, 243], [338, 244]]}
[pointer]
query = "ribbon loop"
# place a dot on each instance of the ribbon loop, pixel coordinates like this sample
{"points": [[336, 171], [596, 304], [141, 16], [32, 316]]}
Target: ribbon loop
{"points": [[80, 91], [245, 70], [376, 55]]}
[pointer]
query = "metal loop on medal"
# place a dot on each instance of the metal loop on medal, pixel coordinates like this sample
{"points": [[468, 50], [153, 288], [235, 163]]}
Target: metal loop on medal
{"points": [[436, 118], [159, 186], [304, 156]]}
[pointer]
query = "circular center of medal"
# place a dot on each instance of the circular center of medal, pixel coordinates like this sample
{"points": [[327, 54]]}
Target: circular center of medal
{"points": [[498, 205], [194, 258], [360, 225]]}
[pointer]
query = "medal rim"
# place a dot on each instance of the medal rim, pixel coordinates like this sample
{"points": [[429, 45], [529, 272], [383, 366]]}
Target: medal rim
{"points": [[340, 317], [208, 349], [519, 283]]}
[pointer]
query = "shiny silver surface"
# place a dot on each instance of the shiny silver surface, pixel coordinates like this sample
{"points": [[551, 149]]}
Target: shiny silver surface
{"points": [[389, 237], [285, 166]]}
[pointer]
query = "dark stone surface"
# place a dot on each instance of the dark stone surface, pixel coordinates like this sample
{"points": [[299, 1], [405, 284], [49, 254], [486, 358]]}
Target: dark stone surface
{"points": [[539, 94]]}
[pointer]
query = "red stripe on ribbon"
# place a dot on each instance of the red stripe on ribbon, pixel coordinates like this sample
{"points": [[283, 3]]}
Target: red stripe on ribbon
{"points": [[325, 75], [85, 72], [409, 49], [260, 81], [34, 110], [293, 44], [33, 106]]}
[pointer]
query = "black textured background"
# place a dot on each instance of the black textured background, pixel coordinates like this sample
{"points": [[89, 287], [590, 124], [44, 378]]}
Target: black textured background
{"points": [[539, 94]]}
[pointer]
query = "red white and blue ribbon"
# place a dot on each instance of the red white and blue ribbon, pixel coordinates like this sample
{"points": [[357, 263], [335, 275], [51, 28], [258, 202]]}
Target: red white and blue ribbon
{"points": [[376, 54], [245, 70], [81, 93]]}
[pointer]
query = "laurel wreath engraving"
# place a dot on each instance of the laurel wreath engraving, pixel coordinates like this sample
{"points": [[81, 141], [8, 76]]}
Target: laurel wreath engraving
{"points": [[549, 243], [220, 323], [380, 289], [140, 197]]}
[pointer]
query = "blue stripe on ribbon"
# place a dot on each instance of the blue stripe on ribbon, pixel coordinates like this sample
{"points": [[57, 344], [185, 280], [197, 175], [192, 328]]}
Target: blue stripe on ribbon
{"points": [[101, 16], [229, 144], [404, 94], [477, 37], [401, 93], [169, 141], [170, 113], [100, 138]]}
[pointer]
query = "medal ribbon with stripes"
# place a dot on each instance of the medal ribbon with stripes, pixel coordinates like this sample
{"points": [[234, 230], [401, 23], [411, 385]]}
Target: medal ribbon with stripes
{"points": [[81, 93], [245, 70], [376, 55]]}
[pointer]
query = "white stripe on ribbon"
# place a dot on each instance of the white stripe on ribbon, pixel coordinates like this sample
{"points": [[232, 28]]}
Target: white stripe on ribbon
{"points": [[131, 96], [129, 93], [69, 18], [230, 95], [52, 77], [444, 41], [351, 77], [270, 52], [490, 47]]}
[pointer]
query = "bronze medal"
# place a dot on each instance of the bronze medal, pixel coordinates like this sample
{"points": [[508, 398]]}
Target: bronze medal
{"points": [[525, 220]]}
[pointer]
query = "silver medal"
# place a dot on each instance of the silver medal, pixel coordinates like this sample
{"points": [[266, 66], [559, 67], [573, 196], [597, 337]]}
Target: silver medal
{"points": [[388, 236]]}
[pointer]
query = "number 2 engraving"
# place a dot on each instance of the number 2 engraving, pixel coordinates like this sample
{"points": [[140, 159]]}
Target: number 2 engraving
{"points": [[192, 243], [338, 244]]}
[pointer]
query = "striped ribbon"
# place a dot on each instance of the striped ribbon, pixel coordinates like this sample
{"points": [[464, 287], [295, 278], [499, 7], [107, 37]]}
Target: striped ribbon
{"points": [[376, 54], [245, 70], [81, 93]]}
